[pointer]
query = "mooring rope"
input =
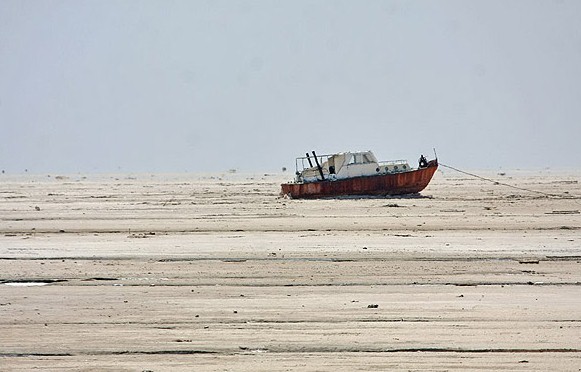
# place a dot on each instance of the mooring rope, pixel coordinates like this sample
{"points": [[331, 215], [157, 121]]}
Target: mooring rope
{"points": [[509, 185]]}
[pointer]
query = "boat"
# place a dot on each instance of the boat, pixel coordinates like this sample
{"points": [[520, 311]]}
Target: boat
{"points": [[356, 174]]}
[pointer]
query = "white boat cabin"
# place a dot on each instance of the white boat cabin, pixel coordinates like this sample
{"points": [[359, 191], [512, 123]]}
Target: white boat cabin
{"points": [[346, 165]]}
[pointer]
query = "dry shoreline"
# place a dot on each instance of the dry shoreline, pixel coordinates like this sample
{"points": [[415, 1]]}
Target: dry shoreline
{"points": [[216, 272]]}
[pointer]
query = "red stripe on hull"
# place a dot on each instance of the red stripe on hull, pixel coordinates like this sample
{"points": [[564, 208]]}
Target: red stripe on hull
{"points": [[385, 184]]}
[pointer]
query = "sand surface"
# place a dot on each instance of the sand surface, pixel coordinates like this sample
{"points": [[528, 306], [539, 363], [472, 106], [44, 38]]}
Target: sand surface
{"points": [[217, 273]]}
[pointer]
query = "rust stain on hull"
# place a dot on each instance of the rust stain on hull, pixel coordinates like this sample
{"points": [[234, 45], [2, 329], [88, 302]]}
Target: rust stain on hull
{"points": [[386, 184]]}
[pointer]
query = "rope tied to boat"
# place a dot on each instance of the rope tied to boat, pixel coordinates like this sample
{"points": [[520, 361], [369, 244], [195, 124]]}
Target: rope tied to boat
{"points": [[558, 196]]}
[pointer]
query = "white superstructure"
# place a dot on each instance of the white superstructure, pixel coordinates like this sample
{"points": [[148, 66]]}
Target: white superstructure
{"points": [[347, 165]]}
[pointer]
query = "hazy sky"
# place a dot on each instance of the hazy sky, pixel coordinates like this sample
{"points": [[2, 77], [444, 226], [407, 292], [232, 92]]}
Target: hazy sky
{"points": [[172, 86]]}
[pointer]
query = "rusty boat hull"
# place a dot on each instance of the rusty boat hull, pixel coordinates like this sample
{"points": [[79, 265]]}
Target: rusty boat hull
{"points": [[402, 183]]}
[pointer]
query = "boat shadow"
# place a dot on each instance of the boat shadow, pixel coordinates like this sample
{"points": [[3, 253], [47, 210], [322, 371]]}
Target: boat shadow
{"points": [[378, 197]]}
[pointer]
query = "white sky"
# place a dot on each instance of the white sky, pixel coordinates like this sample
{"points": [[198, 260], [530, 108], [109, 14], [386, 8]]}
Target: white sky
{"points": [[166, 86]]}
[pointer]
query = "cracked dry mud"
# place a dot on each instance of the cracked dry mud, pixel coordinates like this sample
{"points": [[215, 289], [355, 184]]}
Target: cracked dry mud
{"points": [[216, 272]]}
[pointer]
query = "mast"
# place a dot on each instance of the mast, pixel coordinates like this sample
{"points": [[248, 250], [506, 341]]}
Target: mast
{"points": [[318, 165]]}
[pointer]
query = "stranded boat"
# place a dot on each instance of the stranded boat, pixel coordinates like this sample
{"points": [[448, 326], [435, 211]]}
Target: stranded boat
{"points": [[356, 173]]}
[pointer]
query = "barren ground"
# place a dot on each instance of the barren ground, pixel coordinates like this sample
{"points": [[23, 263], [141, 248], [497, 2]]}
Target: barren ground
{"points": [[216, 272]]}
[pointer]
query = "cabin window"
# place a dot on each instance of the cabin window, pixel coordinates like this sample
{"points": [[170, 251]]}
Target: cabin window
{"points": [[395, 167]]}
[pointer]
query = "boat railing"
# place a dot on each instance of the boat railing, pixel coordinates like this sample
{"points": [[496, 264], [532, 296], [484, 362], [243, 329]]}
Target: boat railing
{"points": [[392, 162], [302, 163]]}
